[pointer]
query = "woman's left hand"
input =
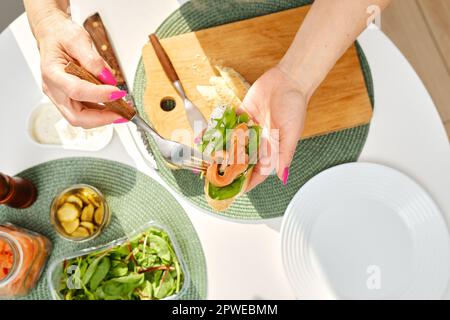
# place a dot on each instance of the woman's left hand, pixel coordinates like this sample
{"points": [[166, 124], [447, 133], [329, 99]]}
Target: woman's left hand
{"points": [[277, 103]]}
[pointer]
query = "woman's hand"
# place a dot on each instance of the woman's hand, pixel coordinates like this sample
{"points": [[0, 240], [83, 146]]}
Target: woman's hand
{"points": [[277, 103], [61, 40], [279, 98]]}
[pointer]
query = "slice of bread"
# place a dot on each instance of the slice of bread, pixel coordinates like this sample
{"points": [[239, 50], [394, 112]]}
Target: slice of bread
{"points": [[225, 93], [222, 205], [229, 88], [209, 93], [235, 81]]}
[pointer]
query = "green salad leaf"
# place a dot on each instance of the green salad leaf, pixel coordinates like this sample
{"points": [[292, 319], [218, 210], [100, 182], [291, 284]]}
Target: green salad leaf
{"points": [[100, 273], [227, 192], [243, 118], [215, 138], [91, 269], [120, 288], [143, 268]]}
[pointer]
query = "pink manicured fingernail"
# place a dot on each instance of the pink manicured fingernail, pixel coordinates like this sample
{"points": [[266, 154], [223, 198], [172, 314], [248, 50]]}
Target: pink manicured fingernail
{"points": [[121, 120], [107, 77], [195, 171], [197, 140], [285, 175], [116, 95]]}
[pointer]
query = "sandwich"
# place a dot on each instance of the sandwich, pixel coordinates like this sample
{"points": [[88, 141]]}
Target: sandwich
{"points": [[231, 140]]}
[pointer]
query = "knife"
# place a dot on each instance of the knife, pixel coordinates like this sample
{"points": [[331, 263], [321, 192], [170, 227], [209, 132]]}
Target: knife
{"points": [[96, 29]]}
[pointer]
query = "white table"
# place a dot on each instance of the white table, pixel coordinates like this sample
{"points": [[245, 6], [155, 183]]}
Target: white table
{"points": [[406, 133]]}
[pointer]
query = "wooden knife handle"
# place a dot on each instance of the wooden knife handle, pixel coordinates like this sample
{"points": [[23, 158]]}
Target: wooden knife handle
{"points": [[121, 107], [163, 58], [96, 29]]}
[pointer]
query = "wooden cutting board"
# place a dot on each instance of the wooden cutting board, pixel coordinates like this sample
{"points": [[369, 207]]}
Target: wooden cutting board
{"points": [[251, 47]]}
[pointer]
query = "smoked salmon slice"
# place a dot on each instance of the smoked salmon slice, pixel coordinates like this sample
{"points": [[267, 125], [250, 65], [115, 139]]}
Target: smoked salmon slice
{"points": [[228, 165]]}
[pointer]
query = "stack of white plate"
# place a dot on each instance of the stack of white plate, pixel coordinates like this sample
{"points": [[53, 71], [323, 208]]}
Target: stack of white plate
{"points": [[365, 231]]}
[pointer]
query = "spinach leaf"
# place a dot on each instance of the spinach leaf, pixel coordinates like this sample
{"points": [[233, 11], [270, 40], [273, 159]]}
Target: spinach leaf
{"points": [[227, 192], [122, 288], [88, 294], [100, 273], [146, 293], [121, 251], [91, 269], [160, 246], [118, 269], [165, 286]]}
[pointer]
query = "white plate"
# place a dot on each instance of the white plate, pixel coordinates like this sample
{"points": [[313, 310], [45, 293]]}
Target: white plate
{"points": [[365, 231]]}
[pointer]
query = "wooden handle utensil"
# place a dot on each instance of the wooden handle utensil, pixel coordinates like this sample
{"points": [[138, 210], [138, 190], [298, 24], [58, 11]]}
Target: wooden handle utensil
{"points": [[193, 113], [121, 107], [163, 58], [94, 26]]}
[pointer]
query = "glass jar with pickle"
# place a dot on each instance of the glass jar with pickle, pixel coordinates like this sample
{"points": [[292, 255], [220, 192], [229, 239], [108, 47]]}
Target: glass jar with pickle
{"points": [[79, 213], [23, 254]]}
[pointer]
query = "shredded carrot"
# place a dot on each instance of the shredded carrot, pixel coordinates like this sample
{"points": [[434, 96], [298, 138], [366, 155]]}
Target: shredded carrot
{"points": [[6, 259]]}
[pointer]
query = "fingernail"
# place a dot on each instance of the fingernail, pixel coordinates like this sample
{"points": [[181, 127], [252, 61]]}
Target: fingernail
{"points": [[107, 77], [116, 95], [195, 171], [285, 175], [121, 120]]}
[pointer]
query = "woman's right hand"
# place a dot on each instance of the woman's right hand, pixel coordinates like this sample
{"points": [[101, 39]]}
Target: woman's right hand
{"points": [[60, 40]]}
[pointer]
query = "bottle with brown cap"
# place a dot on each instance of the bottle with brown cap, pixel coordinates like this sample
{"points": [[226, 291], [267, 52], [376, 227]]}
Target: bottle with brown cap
{"points": [[16, 192]]}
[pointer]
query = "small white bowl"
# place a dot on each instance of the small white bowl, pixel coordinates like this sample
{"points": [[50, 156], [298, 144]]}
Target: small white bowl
{"points": [[101, 141]]}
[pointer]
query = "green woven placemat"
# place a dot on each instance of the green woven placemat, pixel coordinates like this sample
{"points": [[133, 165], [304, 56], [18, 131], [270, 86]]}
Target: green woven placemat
{"points": [[134, 199], [312, 156]]}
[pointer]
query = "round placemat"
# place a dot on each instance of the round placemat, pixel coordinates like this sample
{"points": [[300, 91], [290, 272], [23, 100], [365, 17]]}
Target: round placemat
{"points": [[134, 199], [313, 155]]}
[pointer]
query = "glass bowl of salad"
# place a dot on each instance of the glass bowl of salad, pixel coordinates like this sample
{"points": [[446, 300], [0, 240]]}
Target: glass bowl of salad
{"points": [[146, 265]]}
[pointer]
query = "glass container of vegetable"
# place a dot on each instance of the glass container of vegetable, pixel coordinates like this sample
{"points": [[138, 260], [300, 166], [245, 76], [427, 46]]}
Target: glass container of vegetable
{"points": [[23, 255], [79, 213], [146, 265]]}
